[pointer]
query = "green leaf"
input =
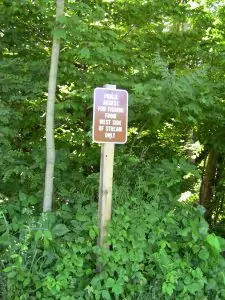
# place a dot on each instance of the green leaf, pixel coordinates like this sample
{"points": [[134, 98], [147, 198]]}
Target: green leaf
{"points": [[106, 295], [110, 282], [26, 282], [48, 235], [60, 229], [222, 243], [92, 233], [63, 20], [8, 269], [211, 284], [194, 287], [12, 274], [187, 279], [85, 53], [195, 248], [117, 289], [203, 254], [168, 288], [204, 227], [22, 196], [139, 88], [213, 241], [38, 235], [185, 231], [32, 200]]}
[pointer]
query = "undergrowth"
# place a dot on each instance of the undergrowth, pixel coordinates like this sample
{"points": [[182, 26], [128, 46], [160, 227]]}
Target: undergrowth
{"points": [[159, 248]]}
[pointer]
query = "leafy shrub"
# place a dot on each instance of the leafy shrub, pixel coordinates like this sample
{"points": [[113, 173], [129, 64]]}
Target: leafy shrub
{"points": [[169, 254], [51, 255], [158, 248]]}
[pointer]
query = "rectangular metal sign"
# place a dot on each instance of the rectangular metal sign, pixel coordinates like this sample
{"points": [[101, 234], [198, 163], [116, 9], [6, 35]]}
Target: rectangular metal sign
{"points": [[110, 116]]}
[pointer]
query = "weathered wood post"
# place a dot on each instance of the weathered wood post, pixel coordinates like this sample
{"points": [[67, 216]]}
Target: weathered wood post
{"points": [[105, 186]]}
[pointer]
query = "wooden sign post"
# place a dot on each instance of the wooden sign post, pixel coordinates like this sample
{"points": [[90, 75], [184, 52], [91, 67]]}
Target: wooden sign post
{"points": [[105, 190], [110, 112]]}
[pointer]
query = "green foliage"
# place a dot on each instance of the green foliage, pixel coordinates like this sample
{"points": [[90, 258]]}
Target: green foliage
{"points": [[43, 258], [158, 247], [169, 55]]}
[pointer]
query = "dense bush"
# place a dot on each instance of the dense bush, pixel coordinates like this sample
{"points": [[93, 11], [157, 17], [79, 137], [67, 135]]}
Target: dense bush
{"points": [[159, 248]]}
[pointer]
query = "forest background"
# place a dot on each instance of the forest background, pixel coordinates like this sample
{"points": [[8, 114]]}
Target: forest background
{"points": [[167, 229]]}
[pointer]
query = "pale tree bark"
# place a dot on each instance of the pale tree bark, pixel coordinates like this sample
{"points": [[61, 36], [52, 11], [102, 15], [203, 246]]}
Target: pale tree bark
{"points": [[50, 142]]}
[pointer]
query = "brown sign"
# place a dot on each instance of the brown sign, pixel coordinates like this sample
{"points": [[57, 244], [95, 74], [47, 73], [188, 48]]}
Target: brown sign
{"points": [[110, 112]]}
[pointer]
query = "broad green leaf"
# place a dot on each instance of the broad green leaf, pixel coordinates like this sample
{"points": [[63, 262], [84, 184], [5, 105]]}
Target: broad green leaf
{"points": [[187, 279], [26, 282], [60, 229], [32, 200], [204, 227], [84, 53], [38, 235], [92, 233], [222, 243], [211, 284], [168, 288], [110, 282], [8, 269], [185, 231], [22, 196], [213, 241], [47, 235], [106, 295], [195, 287], [117, 289], [203, 254]]}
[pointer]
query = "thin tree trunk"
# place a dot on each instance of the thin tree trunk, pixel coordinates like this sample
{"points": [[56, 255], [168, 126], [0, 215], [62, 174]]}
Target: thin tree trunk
{"points": [[206, 191], [50, 142]]}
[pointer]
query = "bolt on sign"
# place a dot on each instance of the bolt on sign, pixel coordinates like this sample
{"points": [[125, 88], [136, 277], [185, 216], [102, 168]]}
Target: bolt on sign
{"points": [[110, 114]]}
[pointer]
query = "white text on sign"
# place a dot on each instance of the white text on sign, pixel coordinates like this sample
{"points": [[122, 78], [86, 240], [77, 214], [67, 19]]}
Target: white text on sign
{"points": [[110, 115]]}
